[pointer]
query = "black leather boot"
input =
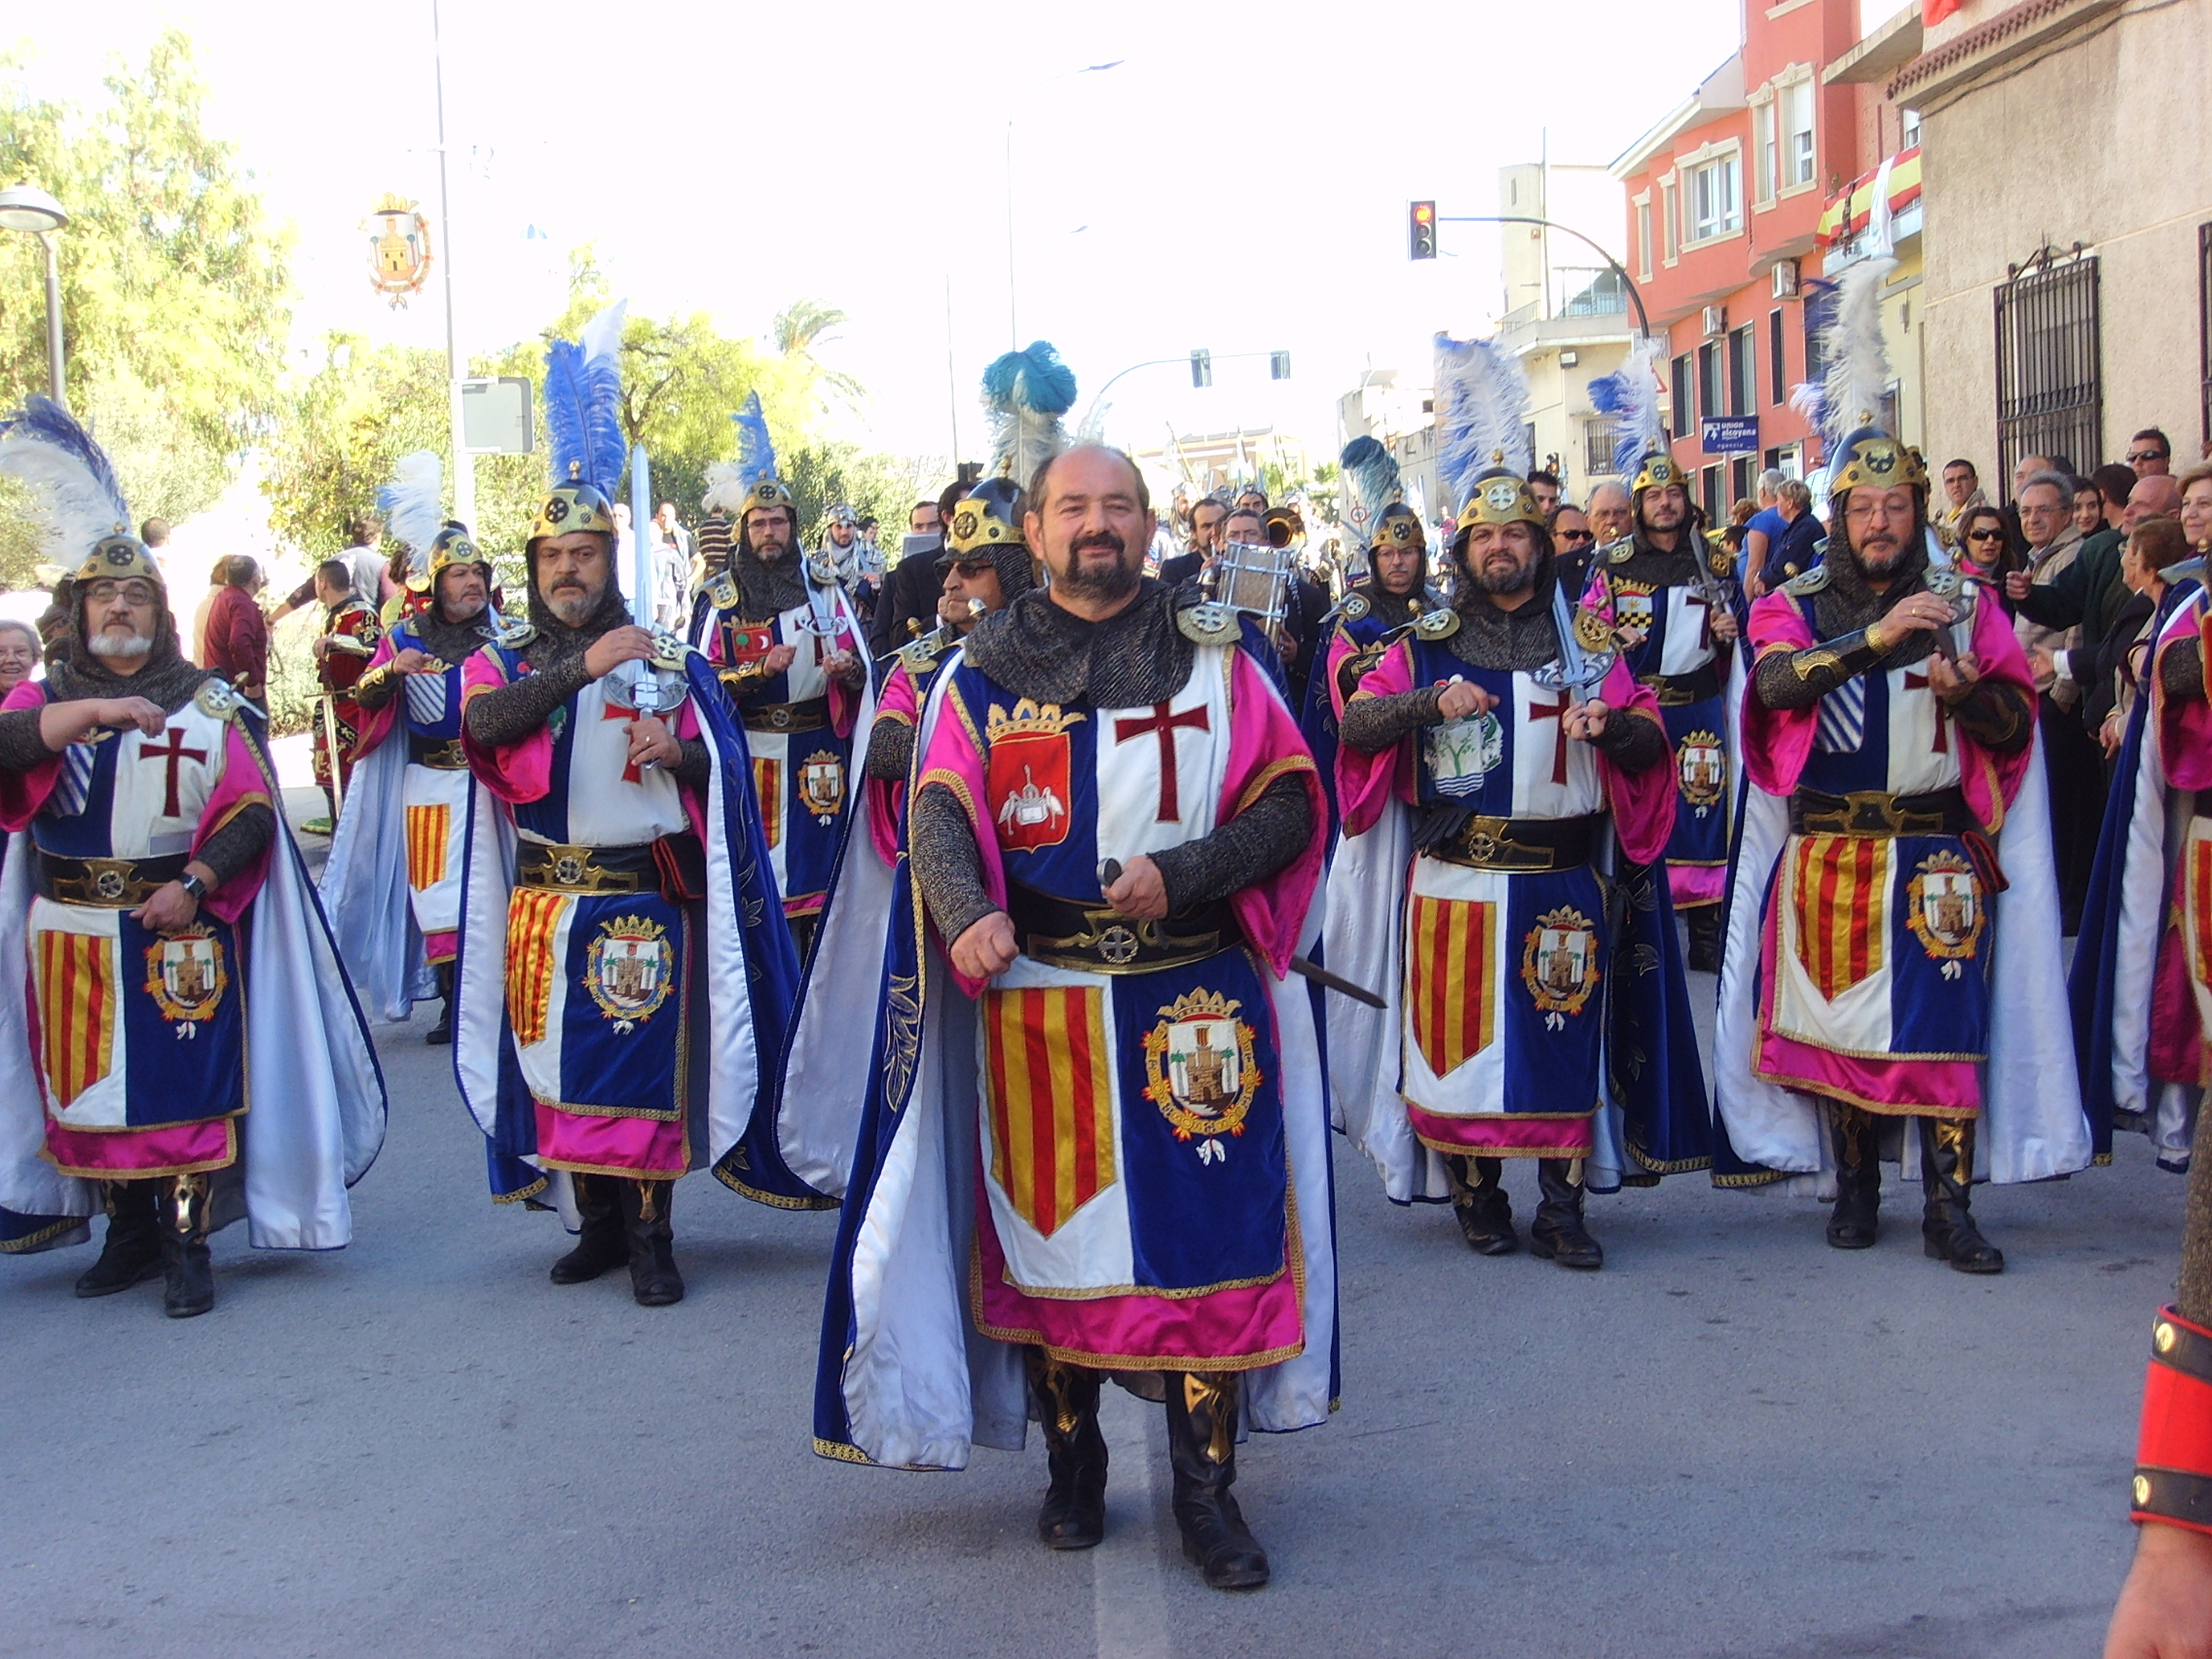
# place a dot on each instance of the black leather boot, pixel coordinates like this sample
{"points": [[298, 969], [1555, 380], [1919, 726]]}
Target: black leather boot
{"points": [[1073, 1515], [1851, 1224], [1201, 1448], [601, 1242], [1705, 938], [1947, 1231], [132, 1249], [1558, 1233], [183, 1229], [653, 1279], [1479, 1202], [442, 1032]]}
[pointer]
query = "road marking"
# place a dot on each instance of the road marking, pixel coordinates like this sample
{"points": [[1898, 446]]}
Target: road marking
{"points": [[1128, 1595]]}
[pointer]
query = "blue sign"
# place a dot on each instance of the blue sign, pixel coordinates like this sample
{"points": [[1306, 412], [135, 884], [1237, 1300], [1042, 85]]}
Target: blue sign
{"points": [[1729, 434]]}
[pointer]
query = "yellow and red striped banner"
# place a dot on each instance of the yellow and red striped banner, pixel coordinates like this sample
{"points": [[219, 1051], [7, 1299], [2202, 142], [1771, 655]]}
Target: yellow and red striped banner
{"points": [[2200, 908], [427, 829], [1051, 1099], [533, 919], [769, 790], [76, 995], [1452, 988], [1839, 888]]}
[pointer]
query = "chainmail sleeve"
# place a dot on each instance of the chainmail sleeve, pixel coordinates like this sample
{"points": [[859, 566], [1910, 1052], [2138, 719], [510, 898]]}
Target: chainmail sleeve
{"points": [[1784, 679], [1999, 716], [2181, 674], [1250, 847], [1633, 742], [20, 745], [238, 842], [697, 764], [890, 751], [509, 713], [1371, 725], [943, 846]]}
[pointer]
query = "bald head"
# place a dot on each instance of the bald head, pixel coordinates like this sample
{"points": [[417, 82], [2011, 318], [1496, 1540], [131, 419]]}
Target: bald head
{"points": [[1085, 458], [2155, 495], [1612, 515]]}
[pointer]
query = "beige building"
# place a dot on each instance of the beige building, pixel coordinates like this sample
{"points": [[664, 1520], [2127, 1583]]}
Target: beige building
{"points": [[2068, 265]]}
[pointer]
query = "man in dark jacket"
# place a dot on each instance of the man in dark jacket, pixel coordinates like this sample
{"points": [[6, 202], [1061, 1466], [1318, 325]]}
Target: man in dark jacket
{"points": [[238, 634], [2089, 592], [907, 608]]}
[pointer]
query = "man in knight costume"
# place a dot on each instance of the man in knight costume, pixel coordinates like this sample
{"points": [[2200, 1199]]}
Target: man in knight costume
{"points": [[156, 926], [1096, 1137], [1885, 972], [1486, 770], [788, 644], [624, 980], [392, 884]]}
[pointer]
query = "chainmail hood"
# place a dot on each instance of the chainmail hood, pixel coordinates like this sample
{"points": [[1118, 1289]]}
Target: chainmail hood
{"points": [[1845, 603], [1522, 640], [1035, 648], [165, 676], [555, 638]]}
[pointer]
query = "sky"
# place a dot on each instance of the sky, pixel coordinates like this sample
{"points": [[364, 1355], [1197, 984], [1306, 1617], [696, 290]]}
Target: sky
{"points": [[1239, 182]]}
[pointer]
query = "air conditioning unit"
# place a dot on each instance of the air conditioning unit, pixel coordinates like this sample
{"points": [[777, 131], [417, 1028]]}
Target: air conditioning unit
{"points": [[1716, 321], [1784, 279]]}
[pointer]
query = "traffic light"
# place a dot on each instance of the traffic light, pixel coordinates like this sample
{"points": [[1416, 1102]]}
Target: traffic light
{"points": [[1422, 231], [1201, 368], [1279, 365]]}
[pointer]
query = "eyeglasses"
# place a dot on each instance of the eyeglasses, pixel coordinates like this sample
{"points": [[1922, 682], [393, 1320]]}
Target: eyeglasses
{"points": [[1985, 536], [2146, 455], [133, 593], [1575, 537]]}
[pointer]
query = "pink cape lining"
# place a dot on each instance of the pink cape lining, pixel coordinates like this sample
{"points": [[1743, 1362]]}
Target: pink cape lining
{"points": [[520, 773], [1777, 742], [1264, 744], [887, 796], [1511, 1132], [2185, 724], [22, 793], [1642, 803], [572, 1140], [203, 1145], [371, 726]]}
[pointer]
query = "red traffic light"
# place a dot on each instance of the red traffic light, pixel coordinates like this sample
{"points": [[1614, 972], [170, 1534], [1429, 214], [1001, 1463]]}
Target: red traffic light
{"points": [[1422, 231]]}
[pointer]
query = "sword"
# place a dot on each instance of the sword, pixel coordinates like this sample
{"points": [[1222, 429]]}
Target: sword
{"points": [[1110, 872], [330, 742]]}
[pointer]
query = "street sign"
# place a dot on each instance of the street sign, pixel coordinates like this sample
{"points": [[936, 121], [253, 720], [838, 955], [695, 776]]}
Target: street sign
{"points": [[496, 416], [1729, 434]]}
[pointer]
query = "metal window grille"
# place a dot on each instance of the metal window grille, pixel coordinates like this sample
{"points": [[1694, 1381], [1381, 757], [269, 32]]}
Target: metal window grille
{"points": [[2205, 325], [1776, 369], [2049, 364], [1596, 446]]}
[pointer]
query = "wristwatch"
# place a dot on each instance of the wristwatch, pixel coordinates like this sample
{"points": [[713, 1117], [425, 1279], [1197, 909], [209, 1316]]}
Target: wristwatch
{"points": [[192, 885]]}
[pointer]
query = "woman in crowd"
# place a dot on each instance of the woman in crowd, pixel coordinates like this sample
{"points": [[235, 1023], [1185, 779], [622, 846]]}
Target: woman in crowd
{"points": [[19, 652]]}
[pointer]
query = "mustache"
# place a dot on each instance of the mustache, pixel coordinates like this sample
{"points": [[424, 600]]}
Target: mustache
{"points": [[1106, 539]]}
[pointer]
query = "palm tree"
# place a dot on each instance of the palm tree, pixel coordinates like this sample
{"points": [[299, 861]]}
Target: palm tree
{"points": [[802, 325]]}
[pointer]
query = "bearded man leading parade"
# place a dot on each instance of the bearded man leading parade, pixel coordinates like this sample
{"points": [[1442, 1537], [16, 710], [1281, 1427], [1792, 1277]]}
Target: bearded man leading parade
{"points": [[1884, 972], [156, 926], [624, 974], [789, 647], [394, 881], [1115, 1157]]}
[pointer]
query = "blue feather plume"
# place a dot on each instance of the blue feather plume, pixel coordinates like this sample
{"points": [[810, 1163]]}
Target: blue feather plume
{"points": [[1482, 401], [1630, 397], [74, 493], [756, 449], [1027, 393], [1370, 474], [583, 402]]}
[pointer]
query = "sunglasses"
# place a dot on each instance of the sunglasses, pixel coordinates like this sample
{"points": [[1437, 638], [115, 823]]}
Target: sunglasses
{"points": [[2146, 455], [1576, 536], [1985, 536]]}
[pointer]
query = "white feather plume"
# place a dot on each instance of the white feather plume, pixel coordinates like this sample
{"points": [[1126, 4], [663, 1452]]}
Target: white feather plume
{"points": [[74, 499], [1856, 381], [413, 503], [1481, 412], [727, 488]]}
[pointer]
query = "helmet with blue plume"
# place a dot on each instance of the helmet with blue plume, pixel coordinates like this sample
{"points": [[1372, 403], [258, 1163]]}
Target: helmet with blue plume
{"points": [[583, 424]]}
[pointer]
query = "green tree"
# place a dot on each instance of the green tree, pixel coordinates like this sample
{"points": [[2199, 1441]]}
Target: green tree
{"points": [[799, 327]]}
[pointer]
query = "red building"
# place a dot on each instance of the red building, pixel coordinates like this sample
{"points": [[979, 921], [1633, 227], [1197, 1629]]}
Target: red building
{"points": [[1724, 203]]}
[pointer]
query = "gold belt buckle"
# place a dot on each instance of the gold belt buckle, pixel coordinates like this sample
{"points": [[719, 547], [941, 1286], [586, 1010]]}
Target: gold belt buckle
{"points": [[573, 870]]}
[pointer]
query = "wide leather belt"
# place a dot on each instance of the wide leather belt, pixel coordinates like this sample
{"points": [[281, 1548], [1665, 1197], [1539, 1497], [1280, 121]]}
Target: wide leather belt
{"points": [[1875, 812], [107, 884], [1680, 690], [1094, 940], [1519, 844], [439, 756], [810, 716], [584, 869]]}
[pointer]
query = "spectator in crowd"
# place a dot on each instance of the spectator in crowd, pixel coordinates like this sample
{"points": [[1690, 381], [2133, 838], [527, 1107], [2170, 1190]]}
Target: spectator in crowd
{"points": [[1985, 548], [2151, 453], [20, 651], [1765, 523], [154, 534], [1962, 493], [1741, 511], [1209, 516], [2195, 486], [2088, 507], [672, 566], [2109, 676], [2053, 545], [907, 608], [238, 634], [1612, 516], [1544, 486], [1794, 551], [365, 564], [871, 537], [195, 648], [1573, 541], [2115, 483]]}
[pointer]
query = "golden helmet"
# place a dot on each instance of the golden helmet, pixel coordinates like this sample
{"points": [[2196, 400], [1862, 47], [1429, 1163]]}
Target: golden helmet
{"points": [[1500, 496], [1656, 472], [1397, 525], [768, 493], [988, 515], [119, 557], [574, 506], [1870, 456], [451, 545]]}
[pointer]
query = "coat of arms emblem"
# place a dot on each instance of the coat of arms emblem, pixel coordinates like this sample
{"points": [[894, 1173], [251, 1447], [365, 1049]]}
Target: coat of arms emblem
{"points": [[399, 248], [628, 970], [186, 977], [1030, 774], [1559, 964], [1943, 910], [1702, 765], [1463, 753], [821, 786], [1199, 1070], [1633, 611]]}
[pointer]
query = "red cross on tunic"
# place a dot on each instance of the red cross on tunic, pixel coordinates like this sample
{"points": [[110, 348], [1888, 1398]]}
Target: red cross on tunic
{"points": [[175, 752], [610, 712], [1943, 744], [1165, 726], [1554, 712]]}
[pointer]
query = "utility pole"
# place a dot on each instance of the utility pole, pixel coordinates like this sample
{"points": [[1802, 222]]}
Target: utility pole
{"points": [[463, 464]]}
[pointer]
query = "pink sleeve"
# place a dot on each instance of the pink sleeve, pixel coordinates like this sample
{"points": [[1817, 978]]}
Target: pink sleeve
{"points": [[886, 797], [1992, 781], [244, 784], [845, 700], [519, 772], [1777, 741], [22, 793], [1643, 802], [371, 726], [1264, 743], [1341, 649], [952, 760], [1364, 781], [2185, 724]]}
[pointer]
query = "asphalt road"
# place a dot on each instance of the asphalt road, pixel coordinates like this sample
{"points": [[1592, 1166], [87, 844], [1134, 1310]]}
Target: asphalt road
{"points": [[1732, 1440]]}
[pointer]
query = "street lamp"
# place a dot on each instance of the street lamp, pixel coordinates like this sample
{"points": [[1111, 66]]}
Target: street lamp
{"points": [[27, 207], [1013, 318]]}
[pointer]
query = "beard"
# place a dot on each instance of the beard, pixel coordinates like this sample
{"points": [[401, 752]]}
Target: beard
{"points": [[112, 646], [1494, 579], [573, 603], [1883, 553], [1089, 581], [771, 553], [464, 609]]}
